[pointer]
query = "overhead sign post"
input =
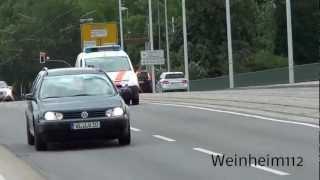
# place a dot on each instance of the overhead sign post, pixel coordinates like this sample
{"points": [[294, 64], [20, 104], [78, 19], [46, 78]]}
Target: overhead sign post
{"points": [[151, 58]]}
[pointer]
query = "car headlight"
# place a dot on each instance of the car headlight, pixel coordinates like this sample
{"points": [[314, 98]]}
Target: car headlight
{"points": [[115, 112], [52, 116]]}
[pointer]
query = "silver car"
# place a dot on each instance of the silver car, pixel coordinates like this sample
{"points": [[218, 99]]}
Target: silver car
{"points": [[172, 81], [5, 92]]}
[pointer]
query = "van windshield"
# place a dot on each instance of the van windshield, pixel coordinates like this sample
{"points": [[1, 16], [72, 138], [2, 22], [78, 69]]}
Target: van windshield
{"points": [[109, 64]]}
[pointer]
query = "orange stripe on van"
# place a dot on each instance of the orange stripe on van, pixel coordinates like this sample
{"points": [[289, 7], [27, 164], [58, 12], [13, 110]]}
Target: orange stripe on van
{"points": [[120, 76]]}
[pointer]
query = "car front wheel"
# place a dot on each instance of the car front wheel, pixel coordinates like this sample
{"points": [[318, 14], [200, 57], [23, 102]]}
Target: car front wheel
{"points": [[29, 135], [40, 145], [126, 138]]}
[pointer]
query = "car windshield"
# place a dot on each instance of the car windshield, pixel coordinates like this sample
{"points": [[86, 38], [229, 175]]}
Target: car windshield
{"points": [[76, 85], [3, 84], [174, 76], [109, 64]]}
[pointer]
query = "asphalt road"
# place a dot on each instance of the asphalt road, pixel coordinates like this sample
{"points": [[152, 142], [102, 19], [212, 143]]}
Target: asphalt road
{"points": [[171, 143]]}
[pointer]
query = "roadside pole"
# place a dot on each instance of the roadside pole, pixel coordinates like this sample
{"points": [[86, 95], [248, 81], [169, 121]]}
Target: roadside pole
{"points": [[121, 25], [185, 43], [290, 43], [151, 45], [230, 53], [167, 35]]}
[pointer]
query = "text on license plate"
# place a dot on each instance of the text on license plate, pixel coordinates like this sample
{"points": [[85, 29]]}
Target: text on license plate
{"points": [[86, 125]]}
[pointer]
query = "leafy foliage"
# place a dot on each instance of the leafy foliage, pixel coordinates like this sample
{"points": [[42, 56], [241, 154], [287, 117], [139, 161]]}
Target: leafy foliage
{"points": [[258, 32]]}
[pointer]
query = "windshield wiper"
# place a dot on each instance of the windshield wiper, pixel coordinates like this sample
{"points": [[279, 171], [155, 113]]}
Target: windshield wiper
{"points": [[81, 95], [51, 97]]}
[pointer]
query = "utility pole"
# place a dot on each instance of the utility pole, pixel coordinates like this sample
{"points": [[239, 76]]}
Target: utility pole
{"points": [[151, 45], [121, 25], [230, 53], [159, 27], [185, 42], [167, 35], [290, 43]]}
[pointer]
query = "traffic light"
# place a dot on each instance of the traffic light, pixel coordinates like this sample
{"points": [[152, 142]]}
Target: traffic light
{"points": [[42, 57]]}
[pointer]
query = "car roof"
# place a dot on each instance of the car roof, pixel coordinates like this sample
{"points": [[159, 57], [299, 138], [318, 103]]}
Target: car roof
{"points": [[3, 83], [104, 54], [165, 73], [72, 71]]}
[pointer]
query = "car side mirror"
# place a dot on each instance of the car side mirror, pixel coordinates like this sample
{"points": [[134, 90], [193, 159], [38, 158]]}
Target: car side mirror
{"points": [[29, 97]]}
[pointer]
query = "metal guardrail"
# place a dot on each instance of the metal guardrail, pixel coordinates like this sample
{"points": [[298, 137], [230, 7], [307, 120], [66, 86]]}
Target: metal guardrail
{"points": [[306, 72]]}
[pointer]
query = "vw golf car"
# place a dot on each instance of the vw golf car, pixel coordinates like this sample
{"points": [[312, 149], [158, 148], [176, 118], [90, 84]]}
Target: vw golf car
{"points": [[75, 104]]}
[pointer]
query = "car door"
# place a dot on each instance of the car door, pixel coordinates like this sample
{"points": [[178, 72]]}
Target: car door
{"points": [[31, 103]]}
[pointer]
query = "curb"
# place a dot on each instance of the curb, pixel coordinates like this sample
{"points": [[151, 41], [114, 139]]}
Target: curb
{"points": [[13, 168]]}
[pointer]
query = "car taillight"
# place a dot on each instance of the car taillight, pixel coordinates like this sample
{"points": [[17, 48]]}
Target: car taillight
{"points": [[165, 82], [184, 81]]}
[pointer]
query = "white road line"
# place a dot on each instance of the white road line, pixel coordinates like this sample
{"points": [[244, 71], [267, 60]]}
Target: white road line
{"points": [[277, 172], [2, 177], [241, 114], [207, 151], [164, 138], [135, 129]]}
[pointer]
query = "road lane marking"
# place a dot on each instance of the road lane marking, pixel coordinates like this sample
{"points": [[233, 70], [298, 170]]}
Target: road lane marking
{"points": [[240, 114], [277, 172], [135, 129], [2, 177], [164, 138], [207, 151]]}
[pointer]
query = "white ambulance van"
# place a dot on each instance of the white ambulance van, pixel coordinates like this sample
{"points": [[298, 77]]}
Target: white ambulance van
{"points": [[117, 64]]}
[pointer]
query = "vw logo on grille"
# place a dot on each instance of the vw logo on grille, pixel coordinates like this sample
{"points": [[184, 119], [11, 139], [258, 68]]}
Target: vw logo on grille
{"points": [[84, 114]]}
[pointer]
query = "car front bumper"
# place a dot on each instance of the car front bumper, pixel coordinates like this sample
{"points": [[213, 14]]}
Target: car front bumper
{"points": [[61, 131]]}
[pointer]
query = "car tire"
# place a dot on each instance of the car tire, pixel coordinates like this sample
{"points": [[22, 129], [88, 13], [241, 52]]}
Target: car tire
{"points": [[126, 138], [135, 101], [29, 135], [40, 145], [135, 96]]}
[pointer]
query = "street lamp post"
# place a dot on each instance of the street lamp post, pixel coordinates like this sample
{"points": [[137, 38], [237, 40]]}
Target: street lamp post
{"points": [[121, 25], [290, 46], [151, 45], [167, 35], [185, 42], [230, 53]]}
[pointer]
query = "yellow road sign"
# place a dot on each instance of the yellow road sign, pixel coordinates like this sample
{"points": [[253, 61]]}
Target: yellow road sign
{"points": [[99, 34]]}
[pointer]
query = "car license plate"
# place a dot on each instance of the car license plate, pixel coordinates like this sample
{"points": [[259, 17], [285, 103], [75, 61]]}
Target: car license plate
{"points": [[86, 125]]}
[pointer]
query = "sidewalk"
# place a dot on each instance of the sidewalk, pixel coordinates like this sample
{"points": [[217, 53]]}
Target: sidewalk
{"points": [[298, 102], [12, 168]]}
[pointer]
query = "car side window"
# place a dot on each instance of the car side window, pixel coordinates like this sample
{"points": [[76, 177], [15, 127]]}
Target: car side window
{"points": [[35, 83]]}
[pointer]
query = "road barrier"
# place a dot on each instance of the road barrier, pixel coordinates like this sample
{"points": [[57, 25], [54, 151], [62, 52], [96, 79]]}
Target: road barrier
{"points": [[307, 72]]}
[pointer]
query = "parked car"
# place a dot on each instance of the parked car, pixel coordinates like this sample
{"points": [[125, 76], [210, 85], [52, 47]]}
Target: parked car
{"points": [[117, 64], [75, 104], [172, 81], [6, 93], [145, 81]]}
